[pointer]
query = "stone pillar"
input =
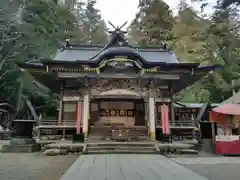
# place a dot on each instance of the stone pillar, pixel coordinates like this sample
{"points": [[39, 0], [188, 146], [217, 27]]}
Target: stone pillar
{"points": [[60, 110], [79, 118], [63, 133], [152, 123], [85, 114]]}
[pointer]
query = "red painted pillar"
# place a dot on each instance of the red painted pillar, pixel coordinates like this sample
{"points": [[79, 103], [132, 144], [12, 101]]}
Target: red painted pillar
{"points": [[166, 112], [163, 119], [79, 117]]}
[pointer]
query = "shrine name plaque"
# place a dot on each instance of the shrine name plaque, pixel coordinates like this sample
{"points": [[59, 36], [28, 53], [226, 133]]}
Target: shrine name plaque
{"points": [[117, 109], [117, 112]]}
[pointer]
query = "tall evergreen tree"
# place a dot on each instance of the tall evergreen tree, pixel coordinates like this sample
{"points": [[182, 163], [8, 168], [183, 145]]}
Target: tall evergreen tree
{"points": [[93, 27], [188, 25], [220, 46], [29, 30], [227, 3], [152, 25]]}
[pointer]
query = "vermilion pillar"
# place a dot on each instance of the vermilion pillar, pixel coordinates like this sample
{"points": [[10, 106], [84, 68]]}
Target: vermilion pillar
{"points": [[165, 119], [79, 117]]}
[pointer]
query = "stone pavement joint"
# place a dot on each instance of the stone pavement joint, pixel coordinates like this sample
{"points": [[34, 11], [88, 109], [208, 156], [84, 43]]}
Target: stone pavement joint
{"points": [[127, 167]]}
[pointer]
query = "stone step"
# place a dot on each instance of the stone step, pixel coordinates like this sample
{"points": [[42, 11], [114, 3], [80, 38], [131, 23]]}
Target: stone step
{"points": [[99, 137], [120, 144], [121, 151], [28, 148], [188, 151], [120, 148]]}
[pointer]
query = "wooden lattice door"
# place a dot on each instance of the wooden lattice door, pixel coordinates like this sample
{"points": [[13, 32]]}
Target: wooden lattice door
{"points": [[69, 111]]}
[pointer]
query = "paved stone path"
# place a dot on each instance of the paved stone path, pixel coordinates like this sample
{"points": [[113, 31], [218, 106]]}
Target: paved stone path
{"points": [[213, 168], [128, 167], [208, 160]]}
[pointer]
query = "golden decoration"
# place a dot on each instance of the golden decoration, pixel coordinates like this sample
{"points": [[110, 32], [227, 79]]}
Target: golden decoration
{"points": [[122, 112], [113, 113]]}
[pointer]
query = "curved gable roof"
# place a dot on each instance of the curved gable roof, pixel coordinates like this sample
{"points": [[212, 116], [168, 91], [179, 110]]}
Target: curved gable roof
{"points": [[116, 46], [87, 54]]}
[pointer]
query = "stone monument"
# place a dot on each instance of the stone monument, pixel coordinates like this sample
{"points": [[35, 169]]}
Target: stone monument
{"points": [[22, 138]]}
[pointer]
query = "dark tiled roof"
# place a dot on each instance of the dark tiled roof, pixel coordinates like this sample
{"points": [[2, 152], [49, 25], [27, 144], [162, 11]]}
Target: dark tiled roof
{"points": [[74, 54], [84, 54], [194, 105]]}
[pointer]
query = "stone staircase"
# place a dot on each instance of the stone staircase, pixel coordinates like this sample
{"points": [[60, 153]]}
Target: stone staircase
{"points": [[136, 133], [120, 148]]}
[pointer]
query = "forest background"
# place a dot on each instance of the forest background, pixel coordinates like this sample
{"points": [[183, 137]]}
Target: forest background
{"points": [[34, 29]]}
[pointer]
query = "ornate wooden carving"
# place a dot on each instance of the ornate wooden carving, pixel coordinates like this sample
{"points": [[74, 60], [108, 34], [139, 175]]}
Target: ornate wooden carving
{"points": [[143, 87], [108, 84], [71, 92]]}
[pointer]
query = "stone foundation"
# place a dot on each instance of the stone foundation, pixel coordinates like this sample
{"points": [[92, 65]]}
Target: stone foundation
{"points": [[22, 140], [28, 148]]}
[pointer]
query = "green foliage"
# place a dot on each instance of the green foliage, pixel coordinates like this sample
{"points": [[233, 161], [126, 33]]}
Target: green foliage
{"points": [[221, 46], [33, 29], [188, 26], [227, 3], [152, 25], [193, 38], [29, 30], [92, 26]]}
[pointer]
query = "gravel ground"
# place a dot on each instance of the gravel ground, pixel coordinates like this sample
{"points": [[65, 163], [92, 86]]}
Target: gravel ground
{"points": [[33, 166], [213, 168]]}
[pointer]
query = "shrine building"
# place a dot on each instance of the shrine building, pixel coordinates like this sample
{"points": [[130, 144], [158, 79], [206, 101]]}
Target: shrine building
{"points": [[115, 85]]}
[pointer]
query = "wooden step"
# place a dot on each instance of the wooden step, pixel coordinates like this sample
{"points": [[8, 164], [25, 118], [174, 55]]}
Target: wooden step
{"points": [[105, 132], [141, 148]]}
